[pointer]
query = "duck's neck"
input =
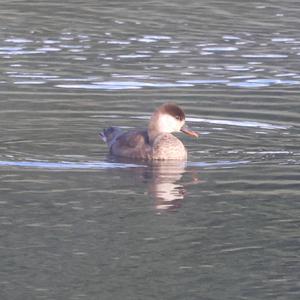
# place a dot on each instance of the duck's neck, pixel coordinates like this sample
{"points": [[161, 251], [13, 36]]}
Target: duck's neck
{"points": [[153, 128], [152, 134]]}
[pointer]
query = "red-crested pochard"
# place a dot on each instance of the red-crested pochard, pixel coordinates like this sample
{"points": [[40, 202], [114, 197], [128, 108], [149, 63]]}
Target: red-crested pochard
{"points": [[154, 143]]}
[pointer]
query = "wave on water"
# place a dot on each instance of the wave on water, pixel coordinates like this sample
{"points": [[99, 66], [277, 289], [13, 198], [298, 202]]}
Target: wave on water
{"points": [[100, 165], [218, 164], [238, 123]]}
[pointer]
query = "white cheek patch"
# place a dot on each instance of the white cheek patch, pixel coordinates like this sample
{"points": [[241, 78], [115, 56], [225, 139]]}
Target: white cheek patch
{"points": [[167, 123]]}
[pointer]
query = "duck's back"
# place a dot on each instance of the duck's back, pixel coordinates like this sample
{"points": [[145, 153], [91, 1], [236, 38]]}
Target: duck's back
{"points": [[132, 144]]}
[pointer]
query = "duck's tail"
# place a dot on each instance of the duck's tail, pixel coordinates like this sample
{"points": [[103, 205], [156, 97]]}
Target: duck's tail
{"points": [[109, 135], [102, 136]]}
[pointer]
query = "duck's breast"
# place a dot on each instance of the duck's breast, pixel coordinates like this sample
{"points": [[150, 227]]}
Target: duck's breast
{"points": [[167, 146]]}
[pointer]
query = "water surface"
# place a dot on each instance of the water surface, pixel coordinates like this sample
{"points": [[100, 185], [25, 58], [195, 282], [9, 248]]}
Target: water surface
{"points": [[78, 224]]}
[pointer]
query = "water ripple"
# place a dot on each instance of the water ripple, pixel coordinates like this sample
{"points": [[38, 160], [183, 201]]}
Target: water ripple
{"points": [[252, 124], [270, 55], [121, 85], [205, 81], [219, 164], [215, 49], [67, 165], [134, 51]]}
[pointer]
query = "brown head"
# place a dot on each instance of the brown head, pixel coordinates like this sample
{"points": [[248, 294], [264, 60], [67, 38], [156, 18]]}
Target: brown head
{"points": [[168, 118]]}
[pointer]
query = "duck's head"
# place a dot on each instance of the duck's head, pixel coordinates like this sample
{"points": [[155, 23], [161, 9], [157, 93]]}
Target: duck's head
{"points": [[168, 118]]}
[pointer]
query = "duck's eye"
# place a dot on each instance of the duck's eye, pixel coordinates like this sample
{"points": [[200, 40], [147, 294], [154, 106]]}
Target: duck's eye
{"points": [[177, 117]]}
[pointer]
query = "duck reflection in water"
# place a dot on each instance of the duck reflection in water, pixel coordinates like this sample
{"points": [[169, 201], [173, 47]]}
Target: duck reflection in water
{"points": [[164, 182]]}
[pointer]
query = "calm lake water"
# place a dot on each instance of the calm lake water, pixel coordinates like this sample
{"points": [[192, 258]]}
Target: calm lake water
{"points": [[78, 224]]}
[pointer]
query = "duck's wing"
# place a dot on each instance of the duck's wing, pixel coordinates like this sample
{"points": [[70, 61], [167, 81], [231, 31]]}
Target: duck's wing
{"points": [[133, 143], [133, 139]]}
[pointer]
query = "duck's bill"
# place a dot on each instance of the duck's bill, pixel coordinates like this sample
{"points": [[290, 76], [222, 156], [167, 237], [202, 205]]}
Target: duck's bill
{"points": [[189, 132]]}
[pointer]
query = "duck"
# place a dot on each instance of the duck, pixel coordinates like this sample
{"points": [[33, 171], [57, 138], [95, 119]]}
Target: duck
{"points": [[154, 143]]}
